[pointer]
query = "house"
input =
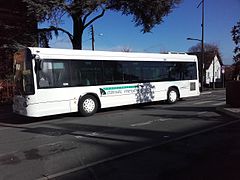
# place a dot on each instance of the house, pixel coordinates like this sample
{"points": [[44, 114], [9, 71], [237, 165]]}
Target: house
{"points": [[212, 68]]}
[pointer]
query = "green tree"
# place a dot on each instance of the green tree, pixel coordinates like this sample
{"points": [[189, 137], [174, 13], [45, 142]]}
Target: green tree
{"points": [[145, 13], [236, 39]]}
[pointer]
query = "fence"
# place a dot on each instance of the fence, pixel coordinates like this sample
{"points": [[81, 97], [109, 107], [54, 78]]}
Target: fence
{"points": [[6, 91]]}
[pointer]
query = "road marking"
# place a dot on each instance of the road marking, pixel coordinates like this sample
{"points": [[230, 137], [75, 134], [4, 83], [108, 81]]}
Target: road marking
{"points": [[150, 122], [79, 137], [234, 110], [203, 102], [205, 93], [92, 134], [136, 151], [203, 112], [141, 124], [219, 104]]}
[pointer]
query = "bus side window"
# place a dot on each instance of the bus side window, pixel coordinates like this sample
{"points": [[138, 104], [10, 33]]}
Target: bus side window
{"points": [[108, 72], [86, 73], [61, 74], [135, 72], [76, 77], [45, 76], [43, 80]]}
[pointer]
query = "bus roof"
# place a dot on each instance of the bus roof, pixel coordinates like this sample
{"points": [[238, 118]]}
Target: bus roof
{"points": [[52, 53]]}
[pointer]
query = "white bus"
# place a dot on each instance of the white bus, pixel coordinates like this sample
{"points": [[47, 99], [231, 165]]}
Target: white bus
{"points": [[54, 81]]}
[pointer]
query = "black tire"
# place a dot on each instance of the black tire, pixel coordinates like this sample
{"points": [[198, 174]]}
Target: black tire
{"points": [[88, 105], [172, 96]]}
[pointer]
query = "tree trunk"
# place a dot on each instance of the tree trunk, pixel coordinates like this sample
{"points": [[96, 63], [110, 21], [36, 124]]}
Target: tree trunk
{"points": [[77, 32], [77, 41]]}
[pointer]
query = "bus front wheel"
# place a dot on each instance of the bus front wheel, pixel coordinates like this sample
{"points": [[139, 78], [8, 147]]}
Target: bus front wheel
{"points": [[172, 95], [88, 105]]}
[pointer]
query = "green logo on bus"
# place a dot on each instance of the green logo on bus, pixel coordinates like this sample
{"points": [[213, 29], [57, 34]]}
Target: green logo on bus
{"points": [[117, 90]]}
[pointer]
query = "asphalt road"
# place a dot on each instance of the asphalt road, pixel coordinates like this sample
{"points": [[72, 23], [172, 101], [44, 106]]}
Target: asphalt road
{"points": [[114, 143]]}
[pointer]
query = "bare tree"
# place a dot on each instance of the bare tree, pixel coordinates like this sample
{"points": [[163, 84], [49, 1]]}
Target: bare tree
{"points": [[208, 47], [126, 49]]}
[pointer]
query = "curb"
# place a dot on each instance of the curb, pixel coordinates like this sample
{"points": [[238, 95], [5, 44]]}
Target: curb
{"points": [[229, 111]]}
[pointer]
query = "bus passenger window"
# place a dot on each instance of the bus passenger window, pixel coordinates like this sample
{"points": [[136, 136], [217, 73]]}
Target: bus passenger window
{"points": [[53, 74], [45, 78], [61, 74]]}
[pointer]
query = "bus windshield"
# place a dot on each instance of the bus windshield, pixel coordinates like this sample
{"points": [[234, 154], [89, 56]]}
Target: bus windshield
{"points": [[23, 72]]}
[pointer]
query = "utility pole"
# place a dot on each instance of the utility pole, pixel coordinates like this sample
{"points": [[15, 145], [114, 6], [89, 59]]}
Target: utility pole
{"points": [[202, 49], [202, 62], [203, 76], [93, 37], [203, 59]]}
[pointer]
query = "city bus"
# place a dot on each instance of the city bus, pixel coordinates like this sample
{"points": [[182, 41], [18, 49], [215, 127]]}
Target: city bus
{"points": [[54, 81]]}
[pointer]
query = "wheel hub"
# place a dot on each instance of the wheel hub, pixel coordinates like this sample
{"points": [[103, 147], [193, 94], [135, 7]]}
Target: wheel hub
{"points": [[172, 96], [88, 105]]}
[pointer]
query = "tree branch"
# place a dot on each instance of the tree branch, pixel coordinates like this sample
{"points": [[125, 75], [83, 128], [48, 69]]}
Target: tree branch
{"points": [[53, 28], [86, 16], [95, 18]]}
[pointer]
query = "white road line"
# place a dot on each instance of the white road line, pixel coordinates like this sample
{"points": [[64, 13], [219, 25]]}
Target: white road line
{"points": [[141, 124], [135, 151], [205, 93], [203, 112], [92, 134], [220, 103], [150, 122]]}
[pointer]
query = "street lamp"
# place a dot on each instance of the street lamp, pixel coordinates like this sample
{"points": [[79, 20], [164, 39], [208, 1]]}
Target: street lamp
{"points": [[193, 39], [202, 46]]}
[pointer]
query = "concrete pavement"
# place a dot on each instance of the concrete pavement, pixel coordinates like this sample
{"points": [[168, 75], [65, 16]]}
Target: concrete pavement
{"points": [[230, 111], [209, 155]]}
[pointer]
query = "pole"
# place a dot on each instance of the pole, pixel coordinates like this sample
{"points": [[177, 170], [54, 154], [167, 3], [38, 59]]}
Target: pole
{"points": [[213, 86], [202, 49], [93, 38]]}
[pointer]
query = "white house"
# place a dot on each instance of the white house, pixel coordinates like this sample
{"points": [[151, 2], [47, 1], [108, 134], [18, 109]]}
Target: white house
{"points": [[212, 67], [213, 71]]}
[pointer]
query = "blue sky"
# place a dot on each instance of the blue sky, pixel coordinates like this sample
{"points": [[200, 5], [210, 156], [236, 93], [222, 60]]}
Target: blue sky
{"points": [[114, 31]]}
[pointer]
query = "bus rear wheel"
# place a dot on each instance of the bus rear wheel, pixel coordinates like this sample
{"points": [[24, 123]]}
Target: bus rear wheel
{"points": [[88, 105], [172, 96]]}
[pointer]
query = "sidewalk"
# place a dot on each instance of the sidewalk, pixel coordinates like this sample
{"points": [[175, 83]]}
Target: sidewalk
{"points": [[229, 111]]}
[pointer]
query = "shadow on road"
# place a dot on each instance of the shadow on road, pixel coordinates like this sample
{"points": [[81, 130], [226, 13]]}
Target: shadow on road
{"points": [[8, 117]]}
